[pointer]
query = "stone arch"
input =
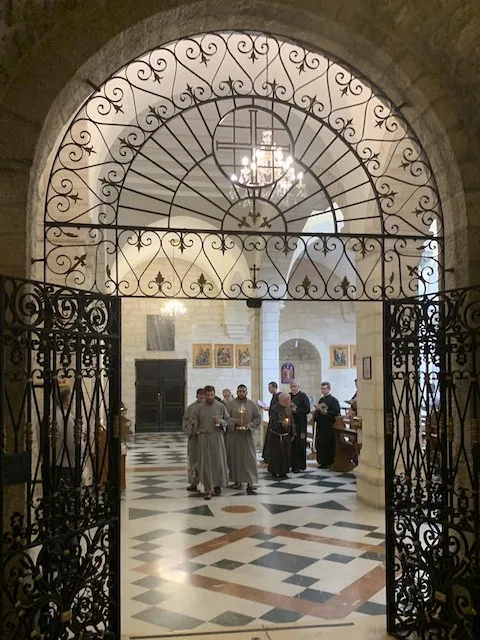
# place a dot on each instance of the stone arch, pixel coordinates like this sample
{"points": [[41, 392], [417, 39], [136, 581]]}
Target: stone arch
{"points": [[319, 355], [93, 167], [377, 62]]}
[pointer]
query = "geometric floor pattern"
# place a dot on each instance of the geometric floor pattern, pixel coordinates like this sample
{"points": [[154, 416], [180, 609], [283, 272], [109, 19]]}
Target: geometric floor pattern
{"points": [[301, 552]]}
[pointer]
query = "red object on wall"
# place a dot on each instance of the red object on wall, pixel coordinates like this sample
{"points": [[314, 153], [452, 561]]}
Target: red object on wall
{"points": [[287, 373]]}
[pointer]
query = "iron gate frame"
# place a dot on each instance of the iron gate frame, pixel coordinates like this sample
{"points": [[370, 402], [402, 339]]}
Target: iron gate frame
{"points": [[60, 534], [432, 465], [67, 228], [404, 215]]}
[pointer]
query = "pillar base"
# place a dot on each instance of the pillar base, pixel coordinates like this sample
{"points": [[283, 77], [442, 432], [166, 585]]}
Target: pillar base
{"points": [[371, 484]]}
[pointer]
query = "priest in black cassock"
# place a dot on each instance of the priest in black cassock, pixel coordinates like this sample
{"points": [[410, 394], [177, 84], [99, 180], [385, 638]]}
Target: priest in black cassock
{"points": [[327, 410], [273, 389], [300, 405], [281, 431]]}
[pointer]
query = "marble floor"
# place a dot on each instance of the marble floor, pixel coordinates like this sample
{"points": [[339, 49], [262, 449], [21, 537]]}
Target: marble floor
{"points": [[303, 558]]}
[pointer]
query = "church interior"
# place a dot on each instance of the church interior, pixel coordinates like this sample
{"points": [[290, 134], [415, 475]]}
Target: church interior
{"points": [[198, 194]]}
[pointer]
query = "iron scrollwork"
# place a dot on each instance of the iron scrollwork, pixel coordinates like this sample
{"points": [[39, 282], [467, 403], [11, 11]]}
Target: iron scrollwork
{"points": [[433, 511], [156, 146], [219, 264], [60, 543]]}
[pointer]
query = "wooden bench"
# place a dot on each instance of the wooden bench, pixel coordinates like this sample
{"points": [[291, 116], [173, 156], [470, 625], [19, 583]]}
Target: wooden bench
{"points": [[346, 445]]}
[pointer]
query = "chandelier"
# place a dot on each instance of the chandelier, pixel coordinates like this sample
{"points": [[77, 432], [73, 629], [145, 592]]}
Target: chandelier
{"points": [[269, 166], [173, 309]]}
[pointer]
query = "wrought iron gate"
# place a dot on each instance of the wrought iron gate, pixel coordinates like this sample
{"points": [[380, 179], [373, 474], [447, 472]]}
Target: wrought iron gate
{"points": [[59, 462], [432, 404]]}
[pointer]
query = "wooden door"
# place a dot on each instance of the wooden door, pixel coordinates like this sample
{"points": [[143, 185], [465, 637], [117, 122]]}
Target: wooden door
{"points": [[160, 395]]}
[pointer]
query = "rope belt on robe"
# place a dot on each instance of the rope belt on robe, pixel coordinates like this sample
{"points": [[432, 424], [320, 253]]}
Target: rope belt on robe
{"points": [[280, 435]]}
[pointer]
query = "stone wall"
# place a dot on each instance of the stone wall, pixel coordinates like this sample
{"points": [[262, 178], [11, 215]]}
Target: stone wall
{"points": [[205, 322], [321, 325], [424, 56]]}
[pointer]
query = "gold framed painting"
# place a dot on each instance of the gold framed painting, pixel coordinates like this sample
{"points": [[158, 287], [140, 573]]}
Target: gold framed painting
{"points": [[202, 356], [339, 356], [223, 355], [353, 356], [243, 356]]}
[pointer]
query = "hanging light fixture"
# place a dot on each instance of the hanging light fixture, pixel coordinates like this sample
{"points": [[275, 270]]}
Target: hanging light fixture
{"points": [[267, 166], [173, 308], [269, 163]]}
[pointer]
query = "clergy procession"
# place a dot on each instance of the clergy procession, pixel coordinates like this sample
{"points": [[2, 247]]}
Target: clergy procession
{"points": [[221, 436]]}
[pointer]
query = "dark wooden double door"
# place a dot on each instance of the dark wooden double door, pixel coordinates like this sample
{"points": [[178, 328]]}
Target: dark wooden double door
{"points": [[160, 395]]}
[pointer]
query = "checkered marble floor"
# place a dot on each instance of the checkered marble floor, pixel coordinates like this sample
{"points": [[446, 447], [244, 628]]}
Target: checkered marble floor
{"points": [[303, 551], [154, 449]]}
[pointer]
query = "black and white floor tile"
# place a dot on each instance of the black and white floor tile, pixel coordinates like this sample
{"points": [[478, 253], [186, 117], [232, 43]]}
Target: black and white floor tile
{"points": [[303, 551]]}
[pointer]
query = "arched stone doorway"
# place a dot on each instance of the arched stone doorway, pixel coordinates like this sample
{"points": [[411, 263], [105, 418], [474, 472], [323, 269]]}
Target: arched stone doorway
{"points": [[70, 264], [307, 362]]}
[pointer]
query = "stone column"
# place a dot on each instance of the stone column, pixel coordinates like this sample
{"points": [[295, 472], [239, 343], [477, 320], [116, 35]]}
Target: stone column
{"points": [[370, 471], [399, 281], [265, 330]]}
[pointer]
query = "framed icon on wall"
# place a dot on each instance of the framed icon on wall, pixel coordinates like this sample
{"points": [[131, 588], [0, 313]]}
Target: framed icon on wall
{"points": [[201, 356], [243, 356], [287, 373], [223, 355], [339, 356], [367, 368], [160, 333]]}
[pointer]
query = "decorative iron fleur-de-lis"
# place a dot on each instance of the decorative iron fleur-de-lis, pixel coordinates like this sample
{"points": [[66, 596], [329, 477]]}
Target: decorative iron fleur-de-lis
{"points": [[201, 281], [79, 261], [306, 284], [243, 222], [126, 143], [178, 243], [345, 283], [159, 279]]}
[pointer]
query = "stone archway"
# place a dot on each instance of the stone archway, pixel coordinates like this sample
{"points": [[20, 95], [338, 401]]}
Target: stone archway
{"points": [[307, 362], [174, 140], [373, 61], [464, 265]]}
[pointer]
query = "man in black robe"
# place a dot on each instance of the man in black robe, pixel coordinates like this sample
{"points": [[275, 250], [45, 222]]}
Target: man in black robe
{"points": [[281, 430], [273, 388], [327, 410], [300, 405]]}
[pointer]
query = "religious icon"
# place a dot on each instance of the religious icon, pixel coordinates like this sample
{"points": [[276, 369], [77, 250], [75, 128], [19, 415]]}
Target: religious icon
{"points": [[223, 355], [287, 373], [202, 356], [243, 355], [339, 356]]}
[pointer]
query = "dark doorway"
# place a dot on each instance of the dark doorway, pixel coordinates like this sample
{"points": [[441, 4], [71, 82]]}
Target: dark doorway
{"points": [[160, 395]]}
